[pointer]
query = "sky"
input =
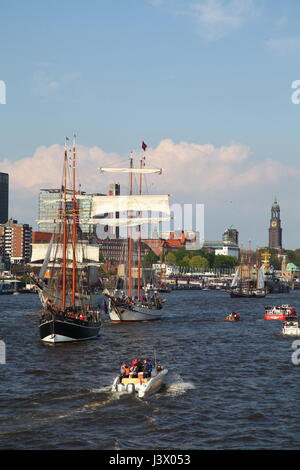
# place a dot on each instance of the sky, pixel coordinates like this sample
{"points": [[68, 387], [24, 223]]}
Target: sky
{"points": [[207, 84]]}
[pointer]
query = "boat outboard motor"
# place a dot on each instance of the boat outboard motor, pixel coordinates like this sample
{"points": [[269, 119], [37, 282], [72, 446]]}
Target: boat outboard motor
{"points": [[130, 388], [120, 387]]}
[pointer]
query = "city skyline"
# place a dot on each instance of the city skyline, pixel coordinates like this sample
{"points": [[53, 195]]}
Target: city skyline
{"points": [[209, 85]]}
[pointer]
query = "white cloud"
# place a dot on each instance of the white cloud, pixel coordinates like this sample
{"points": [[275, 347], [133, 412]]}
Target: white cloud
{"points": [[191, 173], [215, 19], [219, 18]]}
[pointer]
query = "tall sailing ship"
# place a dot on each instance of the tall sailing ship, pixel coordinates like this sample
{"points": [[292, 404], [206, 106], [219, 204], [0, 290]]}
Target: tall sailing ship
{"points": [[244, 286], [68, 313], [133, 304]]}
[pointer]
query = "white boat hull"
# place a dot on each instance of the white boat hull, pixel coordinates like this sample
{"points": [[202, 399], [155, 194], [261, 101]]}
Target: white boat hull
{"points": [[291, 330], [141, 387], [57, 339], [136, 314]]}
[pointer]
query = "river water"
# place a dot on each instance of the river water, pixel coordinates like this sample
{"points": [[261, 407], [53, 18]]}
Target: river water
{"points": [[229, 386]]}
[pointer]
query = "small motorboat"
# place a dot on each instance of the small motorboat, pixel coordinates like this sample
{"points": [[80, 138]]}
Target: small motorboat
{"points": [[140, 385], [233, 317], [291, 327], [280, 312]]}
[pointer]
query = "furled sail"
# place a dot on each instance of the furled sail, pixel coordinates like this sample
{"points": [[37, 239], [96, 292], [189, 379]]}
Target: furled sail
{"points": [[84, 253], [114, 222], [127, 221], [49, 221], [145, 202], [131, 170]]}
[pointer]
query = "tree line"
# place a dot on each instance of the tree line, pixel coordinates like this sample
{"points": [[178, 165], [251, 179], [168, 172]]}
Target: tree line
{"points": [[194, 259]]}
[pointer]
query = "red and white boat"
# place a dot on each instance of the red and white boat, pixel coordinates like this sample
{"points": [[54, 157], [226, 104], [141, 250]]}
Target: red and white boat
{"points": [[279, 312]]}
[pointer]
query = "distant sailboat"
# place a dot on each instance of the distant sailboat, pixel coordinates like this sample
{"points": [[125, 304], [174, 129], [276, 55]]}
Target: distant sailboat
{"points": [[235, 279], [245, 288]]}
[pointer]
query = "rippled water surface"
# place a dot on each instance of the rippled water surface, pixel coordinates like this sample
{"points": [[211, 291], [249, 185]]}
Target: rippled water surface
{"points": [[229, 386]]}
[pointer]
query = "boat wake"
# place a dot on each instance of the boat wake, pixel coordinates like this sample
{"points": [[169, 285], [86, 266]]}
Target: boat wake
{"points": [[178, 387], [107, 398], [104, 389]]}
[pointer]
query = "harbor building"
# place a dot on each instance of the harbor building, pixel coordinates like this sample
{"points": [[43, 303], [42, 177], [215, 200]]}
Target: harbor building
{"points": [[231, 236], [15, 240], [49, 208], [275, 229], [115, 250], [4, 187], [41, 237], [228, 246], [228, 250], [169, 241]]}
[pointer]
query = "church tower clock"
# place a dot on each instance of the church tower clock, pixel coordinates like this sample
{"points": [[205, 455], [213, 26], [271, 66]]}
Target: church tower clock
{"points": [[275, 230]]}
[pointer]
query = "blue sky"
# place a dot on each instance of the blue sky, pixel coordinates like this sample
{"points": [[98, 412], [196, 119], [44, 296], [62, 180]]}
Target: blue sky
{"points": [[196, 71]]}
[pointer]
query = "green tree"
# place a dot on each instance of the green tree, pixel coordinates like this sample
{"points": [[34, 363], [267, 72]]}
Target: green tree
{"points": [[180, 254], [150, 258], [171, 258], [223, 261], [184, 262], [192, 253], [291, 256], [275, 262], [297, 257], [198, 262], [210, 256]]}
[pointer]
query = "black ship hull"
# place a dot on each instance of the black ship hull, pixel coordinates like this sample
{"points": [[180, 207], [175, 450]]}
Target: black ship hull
{"points": [[61, 331], [247, 295], [235, 294]]}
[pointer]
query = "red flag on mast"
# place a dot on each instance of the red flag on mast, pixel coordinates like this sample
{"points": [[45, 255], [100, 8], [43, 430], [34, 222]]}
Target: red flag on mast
{"points": [[144, 146]]}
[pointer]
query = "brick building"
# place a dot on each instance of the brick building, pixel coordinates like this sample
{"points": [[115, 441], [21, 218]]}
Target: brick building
{"points": [[163, 246], [41, 237], [115, 250], [15, 242], [275, 229]]}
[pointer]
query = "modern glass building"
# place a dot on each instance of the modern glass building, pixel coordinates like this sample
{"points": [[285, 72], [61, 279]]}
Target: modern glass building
{"points": [[47, 210], [50, 210], [4, 185]]}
